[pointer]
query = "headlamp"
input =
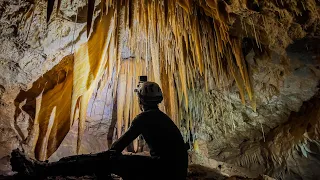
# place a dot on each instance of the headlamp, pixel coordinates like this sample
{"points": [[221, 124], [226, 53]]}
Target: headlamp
{"points": [[142, 79]]}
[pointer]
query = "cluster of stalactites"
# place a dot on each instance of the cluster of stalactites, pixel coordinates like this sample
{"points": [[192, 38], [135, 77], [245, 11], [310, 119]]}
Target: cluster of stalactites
{"points": [[175, 43], [179, 43], [179, 37]]}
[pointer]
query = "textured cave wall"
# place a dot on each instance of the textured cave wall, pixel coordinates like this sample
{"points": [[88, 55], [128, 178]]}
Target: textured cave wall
{"points": [[236, 134], [283, 63], [29, 47], [98, 122]]}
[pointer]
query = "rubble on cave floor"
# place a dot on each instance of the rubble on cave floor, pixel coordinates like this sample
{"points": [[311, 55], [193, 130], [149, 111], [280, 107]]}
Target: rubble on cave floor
{"points": [[200, 172], [195, 172]]}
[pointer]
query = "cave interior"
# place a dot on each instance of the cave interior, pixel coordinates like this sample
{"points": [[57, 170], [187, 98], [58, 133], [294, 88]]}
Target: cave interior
{"points": [[240, 79]]}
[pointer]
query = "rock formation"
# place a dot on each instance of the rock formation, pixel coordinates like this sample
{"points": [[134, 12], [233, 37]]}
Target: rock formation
{"points": [[240, 78]]}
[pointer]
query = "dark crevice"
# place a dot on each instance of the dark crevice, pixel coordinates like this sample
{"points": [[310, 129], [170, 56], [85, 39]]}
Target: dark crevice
{"points": [[253, 5]]}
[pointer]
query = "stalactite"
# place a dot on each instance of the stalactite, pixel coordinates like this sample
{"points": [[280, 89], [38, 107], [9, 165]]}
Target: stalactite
{"points": [[121, 94], [120, 31], [264, 139], [128, 96], [90, 15], [58, 6], [185, 4], [238, 79], [36, 127], [197, 44], [173, 100], [237, 52], [49, 9]]}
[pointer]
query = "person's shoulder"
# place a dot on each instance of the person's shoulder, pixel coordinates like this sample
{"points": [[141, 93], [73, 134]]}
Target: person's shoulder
{"points": [[147, 114], [140, 117]]}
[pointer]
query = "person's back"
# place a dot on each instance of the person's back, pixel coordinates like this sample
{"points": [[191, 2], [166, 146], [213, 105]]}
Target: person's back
{"points": [[160, 133], [163, 138]]}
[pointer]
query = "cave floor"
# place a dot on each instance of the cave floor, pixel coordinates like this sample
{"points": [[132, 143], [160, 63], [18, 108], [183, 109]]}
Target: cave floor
{"points": [[195, 172]]}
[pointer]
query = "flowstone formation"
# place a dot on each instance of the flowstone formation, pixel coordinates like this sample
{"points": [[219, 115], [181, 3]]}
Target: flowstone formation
{"points": [[233, 73]]}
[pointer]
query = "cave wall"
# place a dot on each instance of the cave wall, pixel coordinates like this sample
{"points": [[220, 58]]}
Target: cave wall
{"points": [[98, 122], [29, 47], [233, 133], [32, 54]]}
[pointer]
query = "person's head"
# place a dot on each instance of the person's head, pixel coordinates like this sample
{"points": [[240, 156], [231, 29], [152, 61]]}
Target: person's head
{"points": [[150, 95]]}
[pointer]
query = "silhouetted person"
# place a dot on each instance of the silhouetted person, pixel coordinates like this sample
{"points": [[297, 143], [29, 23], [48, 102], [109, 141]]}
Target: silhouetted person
{"points": [[169, 159]]}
